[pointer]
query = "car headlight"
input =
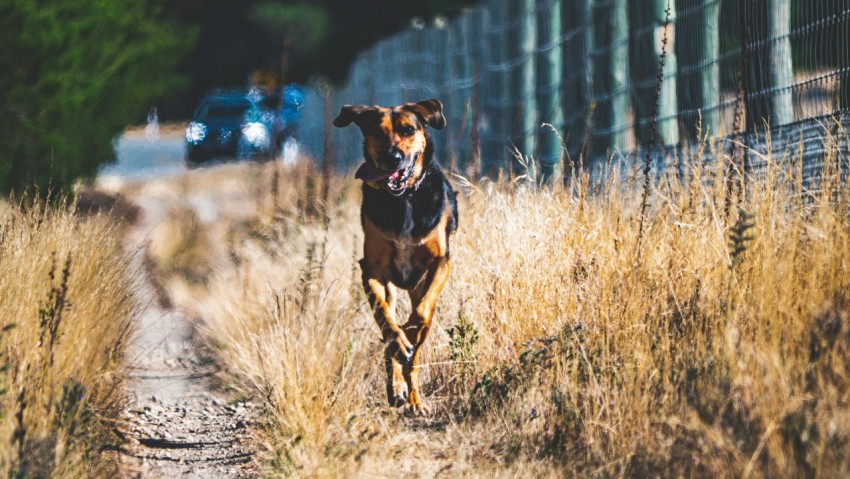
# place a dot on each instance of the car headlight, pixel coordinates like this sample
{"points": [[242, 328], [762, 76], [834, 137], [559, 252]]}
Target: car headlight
{"points": [[256, 134], [196, 132]]}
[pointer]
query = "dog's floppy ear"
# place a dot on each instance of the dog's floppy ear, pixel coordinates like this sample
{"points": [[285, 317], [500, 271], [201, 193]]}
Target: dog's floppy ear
{"points": [[429, 111], [348, 114]]}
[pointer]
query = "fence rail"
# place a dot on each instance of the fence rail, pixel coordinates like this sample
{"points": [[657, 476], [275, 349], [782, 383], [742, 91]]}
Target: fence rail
{"points": [[537, 75]]}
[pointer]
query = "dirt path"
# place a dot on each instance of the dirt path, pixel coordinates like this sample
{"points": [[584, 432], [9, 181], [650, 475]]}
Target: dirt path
{"points": [[177, 425]]}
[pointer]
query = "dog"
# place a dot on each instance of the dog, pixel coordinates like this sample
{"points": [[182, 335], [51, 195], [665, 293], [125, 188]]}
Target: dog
{"points": [[408, 215]]}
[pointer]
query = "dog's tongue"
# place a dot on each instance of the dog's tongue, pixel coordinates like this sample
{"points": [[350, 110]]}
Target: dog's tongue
{"points": [[369, 173]]}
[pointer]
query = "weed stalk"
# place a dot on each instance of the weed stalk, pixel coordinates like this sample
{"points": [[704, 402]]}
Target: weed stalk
{"points": [[653, 123]]}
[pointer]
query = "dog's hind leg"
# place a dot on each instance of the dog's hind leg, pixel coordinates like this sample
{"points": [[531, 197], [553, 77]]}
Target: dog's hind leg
{"points": [[423, 300]]}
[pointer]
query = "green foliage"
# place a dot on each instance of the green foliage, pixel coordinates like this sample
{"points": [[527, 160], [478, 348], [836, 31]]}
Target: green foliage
{"points": [[238, 38], [308, 24], [50, 312], [463, 337], [538, 356], [739, 236], [74, 75]]}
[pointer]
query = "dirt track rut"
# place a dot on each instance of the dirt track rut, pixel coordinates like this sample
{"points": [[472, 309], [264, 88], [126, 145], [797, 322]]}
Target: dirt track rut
{"points": [[176, 423]]}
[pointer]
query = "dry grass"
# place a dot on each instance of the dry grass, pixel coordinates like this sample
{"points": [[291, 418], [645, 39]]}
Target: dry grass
{"points": [[66, 310], [564, 344]]}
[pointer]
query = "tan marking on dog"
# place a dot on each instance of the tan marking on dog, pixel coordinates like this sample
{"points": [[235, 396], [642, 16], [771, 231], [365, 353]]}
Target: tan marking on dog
{"points": [[390, 137], [418, 327]]}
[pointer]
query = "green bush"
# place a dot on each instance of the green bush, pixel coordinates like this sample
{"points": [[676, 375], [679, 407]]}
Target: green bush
{"points": [[74, 75]]}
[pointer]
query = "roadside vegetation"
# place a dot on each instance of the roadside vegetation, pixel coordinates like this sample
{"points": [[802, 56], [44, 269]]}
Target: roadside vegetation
{"points": [[66, 313], [712, 340]]}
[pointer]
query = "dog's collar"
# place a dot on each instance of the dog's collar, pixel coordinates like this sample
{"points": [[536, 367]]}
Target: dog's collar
{"points": [[419, 181]]}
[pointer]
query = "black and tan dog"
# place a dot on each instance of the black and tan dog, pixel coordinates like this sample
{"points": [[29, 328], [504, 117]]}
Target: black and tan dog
{"points": [[408, 214]]}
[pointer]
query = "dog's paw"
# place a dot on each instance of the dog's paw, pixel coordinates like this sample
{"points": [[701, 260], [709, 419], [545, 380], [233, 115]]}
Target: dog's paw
{"points": [[397, 393], [400, 348], [415, 405], [419, 409]]}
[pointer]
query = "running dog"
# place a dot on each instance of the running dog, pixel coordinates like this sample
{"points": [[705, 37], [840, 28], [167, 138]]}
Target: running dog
{"points": [[409, 213]]}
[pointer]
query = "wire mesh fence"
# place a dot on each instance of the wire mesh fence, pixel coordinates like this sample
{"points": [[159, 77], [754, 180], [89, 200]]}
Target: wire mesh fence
{"points": [[563, 80]]}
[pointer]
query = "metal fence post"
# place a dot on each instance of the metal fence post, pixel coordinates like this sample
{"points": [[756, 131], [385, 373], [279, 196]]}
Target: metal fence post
{"points": [[697, 48], [710, 74], [476, 44], [460, 91], [842, 49], [522, 45], [590, 68], [781, 69], [611, 54], [766, 25], [485, 119], [549, 86], [648, 34], [449, 70], [577, 78], [500, 89]]}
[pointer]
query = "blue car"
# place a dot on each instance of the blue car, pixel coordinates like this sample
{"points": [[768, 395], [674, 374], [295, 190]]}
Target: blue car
{"points": [[230, 125], [288, 115]]}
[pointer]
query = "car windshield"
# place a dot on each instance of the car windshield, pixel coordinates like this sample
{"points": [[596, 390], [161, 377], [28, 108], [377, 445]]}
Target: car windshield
{"points": [[231, 110]]}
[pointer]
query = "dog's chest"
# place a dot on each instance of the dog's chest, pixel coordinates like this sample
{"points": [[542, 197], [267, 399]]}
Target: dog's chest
{"points": [[407, 220], [413, 230], [404, 260]]}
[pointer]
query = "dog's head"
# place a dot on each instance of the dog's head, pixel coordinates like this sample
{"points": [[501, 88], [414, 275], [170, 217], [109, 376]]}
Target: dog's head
{"points": [[394, 141]]}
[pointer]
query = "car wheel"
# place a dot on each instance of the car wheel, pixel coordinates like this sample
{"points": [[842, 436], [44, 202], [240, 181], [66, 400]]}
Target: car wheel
{"points": [[195, 157]]}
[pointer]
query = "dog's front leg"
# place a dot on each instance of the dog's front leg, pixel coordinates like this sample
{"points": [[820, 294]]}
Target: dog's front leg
{"points": [[399, 351], [424, 301], [380, 299]]}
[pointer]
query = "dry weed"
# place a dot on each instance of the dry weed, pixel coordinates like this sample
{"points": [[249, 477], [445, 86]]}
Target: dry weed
{"points": [[66, 310], [564, 345]]}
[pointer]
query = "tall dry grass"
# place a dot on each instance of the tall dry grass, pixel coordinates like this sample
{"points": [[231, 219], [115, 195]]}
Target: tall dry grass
{"points": [[66, 311], [566, 342]]}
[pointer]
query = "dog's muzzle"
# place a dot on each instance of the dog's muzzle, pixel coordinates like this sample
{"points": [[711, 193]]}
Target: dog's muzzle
{"points": [[394, 181], [397, 181]]}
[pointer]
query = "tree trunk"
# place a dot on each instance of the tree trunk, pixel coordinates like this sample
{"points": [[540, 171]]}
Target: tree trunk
{"points": [[284, 61]]}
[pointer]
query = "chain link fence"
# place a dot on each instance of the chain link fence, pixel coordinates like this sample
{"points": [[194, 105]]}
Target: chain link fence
{"points": [[565, 81]]}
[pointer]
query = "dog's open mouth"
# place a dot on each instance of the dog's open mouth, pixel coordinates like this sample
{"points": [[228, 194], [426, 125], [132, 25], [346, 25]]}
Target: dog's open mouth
{"points": [[395, 181]]}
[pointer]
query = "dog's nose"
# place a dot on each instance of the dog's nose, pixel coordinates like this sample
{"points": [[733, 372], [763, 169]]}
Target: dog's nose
{"points": [[397, 155]]}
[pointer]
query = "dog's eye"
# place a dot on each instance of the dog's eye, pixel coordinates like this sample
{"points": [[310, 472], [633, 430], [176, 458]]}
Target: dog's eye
{"points": [[407, 130]]}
